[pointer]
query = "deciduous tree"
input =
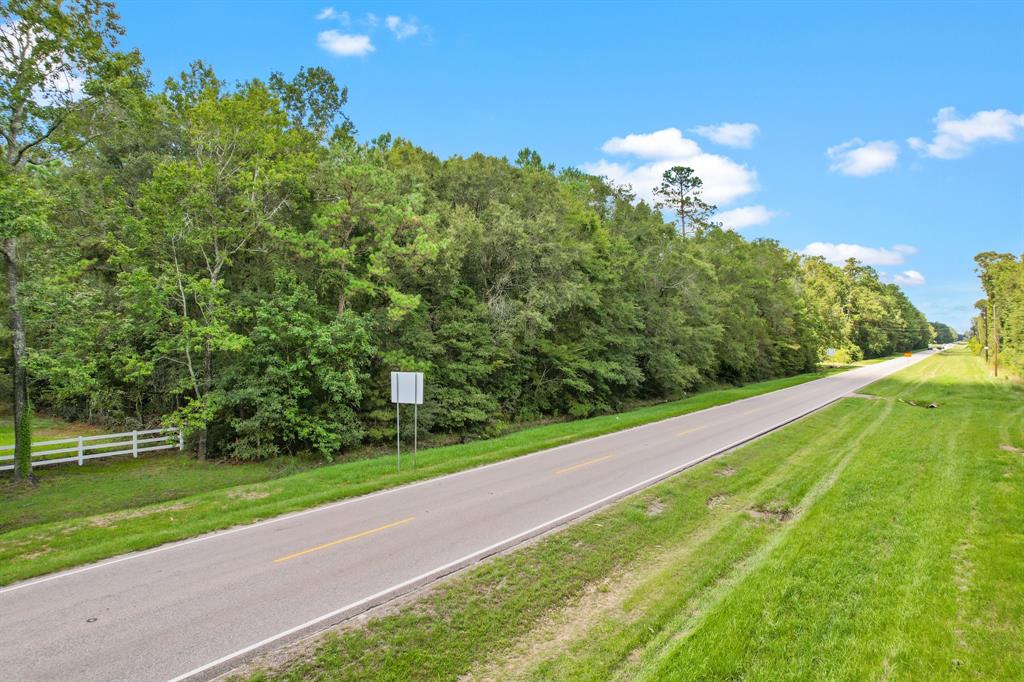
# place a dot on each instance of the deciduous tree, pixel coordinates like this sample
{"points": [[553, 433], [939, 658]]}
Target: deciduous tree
{"points": [[58, 62]]}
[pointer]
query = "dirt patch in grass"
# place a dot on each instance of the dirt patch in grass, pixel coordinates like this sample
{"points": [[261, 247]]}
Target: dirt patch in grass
{"points": [[1006, 447], [560, 627], [248, 494], [726, 471], [773, 511], [717, 500], [109, 519], [655, 507]]}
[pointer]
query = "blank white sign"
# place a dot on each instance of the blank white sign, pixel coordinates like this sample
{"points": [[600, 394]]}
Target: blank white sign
{"points": [[407, 387]]}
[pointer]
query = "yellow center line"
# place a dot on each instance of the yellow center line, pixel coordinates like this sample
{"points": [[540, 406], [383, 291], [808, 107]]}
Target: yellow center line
{"points": [[583, 464], [343, 540], [696, 428]]}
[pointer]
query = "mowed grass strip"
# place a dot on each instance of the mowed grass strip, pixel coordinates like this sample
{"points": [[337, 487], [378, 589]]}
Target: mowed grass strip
{"points": [[118, 488], [102, 486], [872, 540], [47, 428], [909, 569]]}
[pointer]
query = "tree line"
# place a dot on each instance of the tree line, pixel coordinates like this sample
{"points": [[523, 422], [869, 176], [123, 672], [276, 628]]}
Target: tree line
{"points": [[232, 259], [998, 330]]}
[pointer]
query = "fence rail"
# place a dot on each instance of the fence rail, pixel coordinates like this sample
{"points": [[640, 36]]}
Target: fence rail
{"points": [[92, 447]]}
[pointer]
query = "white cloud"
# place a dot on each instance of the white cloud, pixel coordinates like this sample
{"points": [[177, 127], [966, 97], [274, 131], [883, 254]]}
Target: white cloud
{"points": [[724, 179], [69, 85], [745, 216], [402, 29], [909, 278], [662, 144], [730, 134], [857, 158], [372, 19], [869, 255], [328, 13], [955, 136], [64, 83], [345, 45]]}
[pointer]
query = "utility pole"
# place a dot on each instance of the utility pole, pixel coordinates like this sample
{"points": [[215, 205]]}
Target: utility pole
{"points": [[984, 316]]}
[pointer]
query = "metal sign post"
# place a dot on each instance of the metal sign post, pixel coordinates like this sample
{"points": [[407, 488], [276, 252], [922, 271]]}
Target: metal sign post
{"points": [[406, 387], [415, 422]]}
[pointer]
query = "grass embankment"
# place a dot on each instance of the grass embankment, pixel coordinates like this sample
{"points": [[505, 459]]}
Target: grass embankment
{"points": [[103, 486], [872, 540], [70, 491], [40, 548], [47, 428]]}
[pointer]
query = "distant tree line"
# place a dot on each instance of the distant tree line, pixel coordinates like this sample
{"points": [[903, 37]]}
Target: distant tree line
{"points": [[231, 259], [944, 333], [997, 331]]}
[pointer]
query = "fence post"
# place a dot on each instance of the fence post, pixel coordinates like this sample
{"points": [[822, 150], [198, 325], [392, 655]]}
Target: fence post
{"points": [[80, 451], [135, 444], [181, 439]]}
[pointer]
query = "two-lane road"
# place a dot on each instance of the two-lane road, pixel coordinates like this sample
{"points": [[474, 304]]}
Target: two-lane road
{"points": [[199, 607]]}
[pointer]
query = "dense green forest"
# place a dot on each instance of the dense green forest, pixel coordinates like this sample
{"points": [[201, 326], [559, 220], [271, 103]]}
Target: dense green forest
{"points": [[998, 330], [944, 333], [235, 259]]}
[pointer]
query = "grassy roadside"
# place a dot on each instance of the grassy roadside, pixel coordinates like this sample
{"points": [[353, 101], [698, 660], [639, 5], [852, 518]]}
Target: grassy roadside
{"points": [[47, 428], [872, 540], [42, 548], [121, 483]]}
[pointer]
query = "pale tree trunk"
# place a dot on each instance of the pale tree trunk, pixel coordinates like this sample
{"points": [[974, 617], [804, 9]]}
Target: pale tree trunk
{"points": [[202, 435], [22, 409], [995, 339]]}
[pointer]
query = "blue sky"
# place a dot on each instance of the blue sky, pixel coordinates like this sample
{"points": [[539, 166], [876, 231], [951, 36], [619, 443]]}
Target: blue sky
{"points": [[890, 131]]}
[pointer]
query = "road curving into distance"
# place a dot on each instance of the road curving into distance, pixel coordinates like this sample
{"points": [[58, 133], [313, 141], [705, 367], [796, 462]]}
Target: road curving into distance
{"points": [[197, 608]]}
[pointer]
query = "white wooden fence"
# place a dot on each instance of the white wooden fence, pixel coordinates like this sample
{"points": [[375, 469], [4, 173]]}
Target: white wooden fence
{"points": [[92, 447]]}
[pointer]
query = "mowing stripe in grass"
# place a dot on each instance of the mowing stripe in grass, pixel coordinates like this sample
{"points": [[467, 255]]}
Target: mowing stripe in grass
{"points": [[883, 577]]}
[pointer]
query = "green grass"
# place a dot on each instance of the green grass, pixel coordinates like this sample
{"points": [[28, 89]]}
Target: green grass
{"points": [[106, 485], [872, 540], [118, 489], [102, 486], [46, 428]]}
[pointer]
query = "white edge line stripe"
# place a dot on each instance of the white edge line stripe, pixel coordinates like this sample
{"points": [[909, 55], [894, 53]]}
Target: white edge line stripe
{"points": [[394, 590], [333, 505]]}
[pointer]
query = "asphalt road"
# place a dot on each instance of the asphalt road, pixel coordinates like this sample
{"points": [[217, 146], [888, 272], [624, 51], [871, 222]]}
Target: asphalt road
{"points": [[196, 608]]}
